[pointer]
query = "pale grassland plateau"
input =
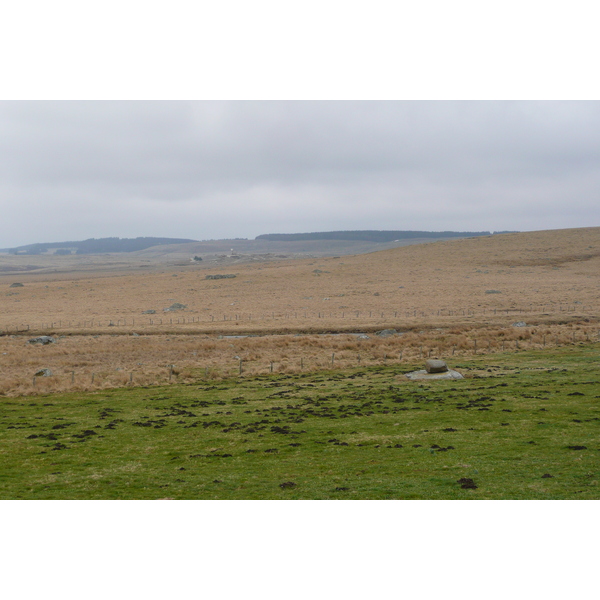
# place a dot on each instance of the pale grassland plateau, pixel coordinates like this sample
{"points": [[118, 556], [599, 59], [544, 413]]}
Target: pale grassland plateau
{"points": [[443, 296]]}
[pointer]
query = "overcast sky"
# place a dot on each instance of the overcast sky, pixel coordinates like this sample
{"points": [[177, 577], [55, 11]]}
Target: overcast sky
{"points": [[72, 170]]}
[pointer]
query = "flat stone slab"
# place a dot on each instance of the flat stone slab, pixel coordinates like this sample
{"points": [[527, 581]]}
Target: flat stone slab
{"points": [[417, 375], [42, 339]]}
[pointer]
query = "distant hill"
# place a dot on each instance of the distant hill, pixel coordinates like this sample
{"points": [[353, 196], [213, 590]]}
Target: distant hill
{"points": [[371, 235], [97, 246]]}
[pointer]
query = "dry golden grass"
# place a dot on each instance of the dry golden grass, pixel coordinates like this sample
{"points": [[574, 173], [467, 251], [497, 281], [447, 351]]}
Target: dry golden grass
{"points": [[435, 293], [86, 362]]}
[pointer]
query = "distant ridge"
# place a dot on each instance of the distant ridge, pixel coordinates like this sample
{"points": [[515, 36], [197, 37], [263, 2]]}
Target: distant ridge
{"points": [[97, 246], [371, 235]]}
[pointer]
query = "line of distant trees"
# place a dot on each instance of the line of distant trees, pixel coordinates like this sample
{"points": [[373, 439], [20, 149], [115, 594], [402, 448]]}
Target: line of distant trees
{"points": [[371, 236], [98, 246]]}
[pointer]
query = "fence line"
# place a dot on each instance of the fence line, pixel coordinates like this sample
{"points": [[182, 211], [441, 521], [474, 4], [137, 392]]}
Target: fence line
{"points": [[350, 315], [239, 367]]}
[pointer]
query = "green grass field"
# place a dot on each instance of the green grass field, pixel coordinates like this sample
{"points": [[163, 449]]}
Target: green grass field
{"points": [[520, 426]]}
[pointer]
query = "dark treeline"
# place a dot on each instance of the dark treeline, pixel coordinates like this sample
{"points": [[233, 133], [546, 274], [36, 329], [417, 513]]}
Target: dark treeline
{"points": [[98, 246], [370, 236]]}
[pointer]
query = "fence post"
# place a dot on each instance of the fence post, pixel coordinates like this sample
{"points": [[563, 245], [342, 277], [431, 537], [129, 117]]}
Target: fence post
{"points": [[72, 376]]}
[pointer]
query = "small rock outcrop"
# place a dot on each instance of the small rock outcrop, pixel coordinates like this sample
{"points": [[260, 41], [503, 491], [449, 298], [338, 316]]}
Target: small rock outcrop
{"points": [[220, 276], [519, 324], [16, 285], [386, 333], [175, 306], [43, 373], [149, 312], [42, 339]]}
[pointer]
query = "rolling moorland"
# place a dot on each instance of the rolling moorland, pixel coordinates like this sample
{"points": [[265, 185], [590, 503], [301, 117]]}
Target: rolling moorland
{"points": [[167, 404]]}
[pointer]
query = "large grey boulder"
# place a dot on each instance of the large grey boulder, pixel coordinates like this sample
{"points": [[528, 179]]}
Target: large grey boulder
{"points": [[436, 366], [42, 339], [16, 284]]}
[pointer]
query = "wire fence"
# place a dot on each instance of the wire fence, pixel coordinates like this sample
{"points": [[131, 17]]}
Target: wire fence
{"points": [[362, 316], [65, 379]]}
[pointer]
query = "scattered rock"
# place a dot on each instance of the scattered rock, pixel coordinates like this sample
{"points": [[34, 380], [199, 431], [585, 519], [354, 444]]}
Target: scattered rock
{"points": [[386, 333], [175, 306], [149, 312], [43, 373], [436, 366], [493, 292], [42, 339], [16, 285], [519, 324], [220, 276]]}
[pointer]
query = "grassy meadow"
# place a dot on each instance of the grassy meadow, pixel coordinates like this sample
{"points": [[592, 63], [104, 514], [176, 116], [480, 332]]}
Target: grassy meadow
{"points": [[520, 425]]}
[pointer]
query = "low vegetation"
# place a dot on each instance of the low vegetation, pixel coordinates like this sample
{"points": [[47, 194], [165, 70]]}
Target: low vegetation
{"points": [[88, 362], [519, 426]]}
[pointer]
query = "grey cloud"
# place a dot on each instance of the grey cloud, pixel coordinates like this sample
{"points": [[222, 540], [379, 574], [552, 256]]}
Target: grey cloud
{"points": [[218, 169]]}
